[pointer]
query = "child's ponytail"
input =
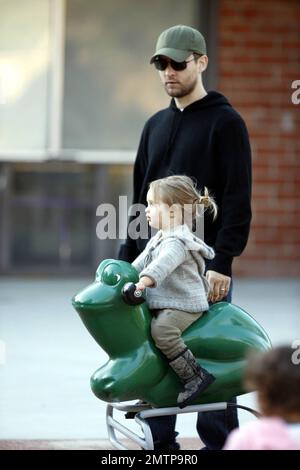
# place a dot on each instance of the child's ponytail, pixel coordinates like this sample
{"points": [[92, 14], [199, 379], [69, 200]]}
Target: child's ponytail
{"points": [[208, 202]]}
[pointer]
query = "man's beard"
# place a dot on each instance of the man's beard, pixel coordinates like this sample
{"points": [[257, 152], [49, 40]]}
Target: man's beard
{"points": [[183, 90]]}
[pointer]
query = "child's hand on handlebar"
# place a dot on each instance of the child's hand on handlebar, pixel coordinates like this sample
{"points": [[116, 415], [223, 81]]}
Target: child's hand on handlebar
{"points": [[144, 282], [140, 286]]}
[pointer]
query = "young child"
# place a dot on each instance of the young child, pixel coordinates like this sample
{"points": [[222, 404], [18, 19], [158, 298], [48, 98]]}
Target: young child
{"points": [[171, 269], [276, 377]]}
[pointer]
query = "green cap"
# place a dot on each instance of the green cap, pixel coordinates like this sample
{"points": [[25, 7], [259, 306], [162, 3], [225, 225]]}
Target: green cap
{"points": [[179, 42]]}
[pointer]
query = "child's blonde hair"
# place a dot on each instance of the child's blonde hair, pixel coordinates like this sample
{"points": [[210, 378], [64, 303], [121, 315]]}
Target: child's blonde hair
{"points": [[181, 190]]}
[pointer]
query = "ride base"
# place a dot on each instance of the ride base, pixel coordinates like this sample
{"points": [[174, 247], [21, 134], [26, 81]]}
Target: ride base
{"points": [[140, 413]]}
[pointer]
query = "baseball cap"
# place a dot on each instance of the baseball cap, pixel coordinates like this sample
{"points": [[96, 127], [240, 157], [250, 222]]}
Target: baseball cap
{"points": [[179, 42]]}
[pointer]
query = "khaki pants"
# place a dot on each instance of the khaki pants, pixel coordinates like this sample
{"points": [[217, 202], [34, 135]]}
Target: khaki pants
{"points": [[166, 328]]}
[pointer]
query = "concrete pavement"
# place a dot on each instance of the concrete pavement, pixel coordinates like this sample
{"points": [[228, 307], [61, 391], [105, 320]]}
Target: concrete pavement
{"points": [[45, 393]]}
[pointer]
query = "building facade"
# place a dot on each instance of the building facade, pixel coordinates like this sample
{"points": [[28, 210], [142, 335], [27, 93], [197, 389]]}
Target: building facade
{"points": [[75, 90]]}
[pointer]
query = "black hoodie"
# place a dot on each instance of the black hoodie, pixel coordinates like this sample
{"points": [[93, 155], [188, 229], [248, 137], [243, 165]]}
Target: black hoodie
{"points": [[207, 141]]}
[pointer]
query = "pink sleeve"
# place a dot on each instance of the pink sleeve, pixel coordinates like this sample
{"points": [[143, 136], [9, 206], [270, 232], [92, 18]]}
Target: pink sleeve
{"points": [[262, 434], [238, 440]]}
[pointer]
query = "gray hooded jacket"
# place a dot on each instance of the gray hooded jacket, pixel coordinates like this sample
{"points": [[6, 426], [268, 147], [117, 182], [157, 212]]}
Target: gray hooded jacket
{"points": [[174, 260]]}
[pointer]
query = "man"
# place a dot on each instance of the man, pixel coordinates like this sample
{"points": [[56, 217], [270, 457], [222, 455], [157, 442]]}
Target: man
{"points": [[202, 136]]}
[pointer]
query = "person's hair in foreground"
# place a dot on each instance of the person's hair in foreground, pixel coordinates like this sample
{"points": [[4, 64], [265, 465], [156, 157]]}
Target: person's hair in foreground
{"points": [[275, 375]]}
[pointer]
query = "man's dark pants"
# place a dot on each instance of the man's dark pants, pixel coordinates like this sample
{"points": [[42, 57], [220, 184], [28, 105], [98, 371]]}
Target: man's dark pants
{"points": [[213, 426]]}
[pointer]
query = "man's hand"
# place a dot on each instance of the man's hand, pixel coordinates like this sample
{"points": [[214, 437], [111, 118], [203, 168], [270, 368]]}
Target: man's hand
{"points": [[144, 282], [219, 285]]}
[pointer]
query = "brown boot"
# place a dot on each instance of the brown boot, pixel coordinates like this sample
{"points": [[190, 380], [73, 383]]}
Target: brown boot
{"points": [[194, 377]]}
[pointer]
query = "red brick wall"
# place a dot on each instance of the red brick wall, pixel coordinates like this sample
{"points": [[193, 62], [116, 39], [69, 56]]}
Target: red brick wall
{"points": [[259, 58]]}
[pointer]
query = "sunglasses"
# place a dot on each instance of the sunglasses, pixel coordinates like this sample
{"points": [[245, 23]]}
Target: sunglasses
{"points": [[161, 63]]}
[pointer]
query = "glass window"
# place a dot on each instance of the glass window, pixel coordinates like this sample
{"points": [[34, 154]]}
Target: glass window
{"points": [[110, 87], [52, 216], [24, 65]]}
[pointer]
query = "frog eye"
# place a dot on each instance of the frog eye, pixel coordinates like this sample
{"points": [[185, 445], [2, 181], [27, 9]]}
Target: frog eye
{"points": [[111, 275]]}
